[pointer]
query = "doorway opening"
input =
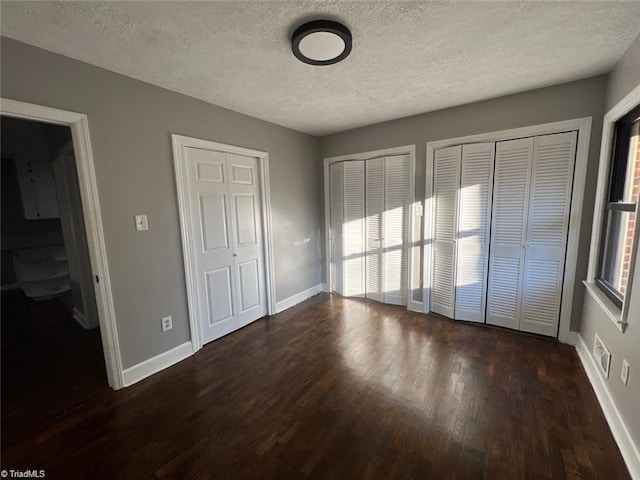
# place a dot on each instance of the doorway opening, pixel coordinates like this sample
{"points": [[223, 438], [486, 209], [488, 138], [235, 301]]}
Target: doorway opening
{"points": [[52, 356]]}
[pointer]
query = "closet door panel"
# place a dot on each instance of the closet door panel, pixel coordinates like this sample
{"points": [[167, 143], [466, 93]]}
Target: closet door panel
{"points": [[508, 225], [547, 227], [353, 229], [375, 210], [336, 208], [396, 180], [446, 179], [474, 213]]}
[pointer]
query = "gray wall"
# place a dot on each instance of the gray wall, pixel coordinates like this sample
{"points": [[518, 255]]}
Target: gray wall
{"points": [[583, 98], [625, 75], [130, 124], [624, 78]]}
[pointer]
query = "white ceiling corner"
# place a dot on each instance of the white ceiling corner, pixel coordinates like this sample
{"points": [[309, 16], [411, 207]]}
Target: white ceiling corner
{"points": [[407, 58]]}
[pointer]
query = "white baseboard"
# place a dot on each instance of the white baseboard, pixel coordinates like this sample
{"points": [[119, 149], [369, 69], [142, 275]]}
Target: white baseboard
{"points": [[415, 306], [298, 297], [10, 286], [570, 338], [79, 317], [619, 429], [153, 365]]}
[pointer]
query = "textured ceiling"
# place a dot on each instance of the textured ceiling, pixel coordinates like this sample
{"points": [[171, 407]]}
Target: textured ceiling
{"points": [[407, 58]]}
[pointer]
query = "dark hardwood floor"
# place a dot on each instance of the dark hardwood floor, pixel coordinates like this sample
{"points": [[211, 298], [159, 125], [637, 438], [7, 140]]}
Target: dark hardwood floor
{"points": [[337, 388], [50, 365]]}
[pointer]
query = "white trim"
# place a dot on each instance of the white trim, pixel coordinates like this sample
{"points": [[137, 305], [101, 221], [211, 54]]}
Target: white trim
{"points": [[583, 126], [325, 287], [298, 298], [610, 309], [415, 306], [155, 364], [327, 223], [428, 231], [92, 218], [623, 107], [80, 317], [179, 143], [9, 286], [412, 249], [410, 243], [267, 221], [572, 338], [619, 429]]}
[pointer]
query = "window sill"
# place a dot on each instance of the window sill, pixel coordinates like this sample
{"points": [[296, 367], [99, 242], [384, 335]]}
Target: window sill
{"points": [[611, 309]]}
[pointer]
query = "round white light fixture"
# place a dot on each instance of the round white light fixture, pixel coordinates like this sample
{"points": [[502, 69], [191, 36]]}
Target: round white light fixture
{"points": [[321, 42]]}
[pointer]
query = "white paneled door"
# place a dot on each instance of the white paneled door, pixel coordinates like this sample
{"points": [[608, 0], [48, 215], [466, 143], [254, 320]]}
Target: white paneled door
{"points": [[463, 178], [227, 236], [446, 181], [546, 232], [501, 219], [353, 259], [532, 201], [375, 211], [368, 210], [472, 247], [396, 199], [386, 209], [510, 200]]}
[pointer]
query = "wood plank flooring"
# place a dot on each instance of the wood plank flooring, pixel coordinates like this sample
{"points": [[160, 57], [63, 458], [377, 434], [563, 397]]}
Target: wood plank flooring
{"points": [[50, 364], [340, 388]]}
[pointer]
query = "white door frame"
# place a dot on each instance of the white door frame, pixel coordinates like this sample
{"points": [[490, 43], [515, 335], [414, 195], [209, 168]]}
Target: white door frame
{"points": [[583, 126], [92, 221], [184, 207], [410, 242]]}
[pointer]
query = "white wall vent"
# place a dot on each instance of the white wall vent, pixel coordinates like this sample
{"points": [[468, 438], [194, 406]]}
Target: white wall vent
{"points": [[602, 355]]}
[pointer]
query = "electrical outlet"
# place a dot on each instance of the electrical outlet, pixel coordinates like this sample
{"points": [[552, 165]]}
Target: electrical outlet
{"points": [[602, 355], [624, 374], [167, 323]]}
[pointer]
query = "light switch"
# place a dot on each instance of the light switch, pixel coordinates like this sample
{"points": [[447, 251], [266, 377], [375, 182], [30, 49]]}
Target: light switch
{"points": [[141, 223]]}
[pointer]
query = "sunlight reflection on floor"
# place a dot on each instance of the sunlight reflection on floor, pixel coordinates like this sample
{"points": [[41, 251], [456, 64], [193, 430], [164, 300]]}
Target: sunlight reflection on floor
{"points": [[381, 351]]}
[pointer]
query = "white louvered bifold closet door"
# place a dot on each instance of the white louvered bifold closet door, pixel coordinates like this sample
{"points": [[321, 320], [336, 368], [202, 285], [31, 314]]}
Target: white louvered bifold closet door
{"points": [[336, 208], [396, 181], [472, 247], [508, 225], [446, 180], [353, 229], [375, 210], [546, 237]]}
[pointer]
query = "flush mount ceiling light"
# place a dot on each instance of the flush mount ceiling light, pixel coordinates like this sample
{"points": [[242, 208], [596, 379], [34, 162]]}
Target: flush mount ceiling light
{"points": [[321, 42]]}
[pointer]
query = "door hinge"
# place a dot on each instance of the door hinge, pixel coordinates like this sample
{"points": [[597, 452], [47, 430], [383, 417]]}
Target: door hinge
{"points": [[97, 279]]}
